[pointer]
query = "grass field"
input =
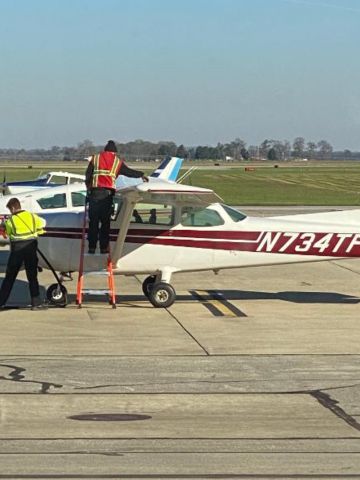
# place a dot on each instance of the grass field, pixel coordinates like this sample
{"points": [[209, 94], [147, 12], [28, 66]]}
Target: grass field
{"points": [[284, 186], [305, 185]]}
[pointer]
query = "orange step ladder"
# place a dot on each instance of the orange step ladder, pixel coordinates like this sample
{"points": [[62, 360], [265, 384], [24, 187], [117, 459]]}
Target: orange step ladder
{"points": [[106, 269]]}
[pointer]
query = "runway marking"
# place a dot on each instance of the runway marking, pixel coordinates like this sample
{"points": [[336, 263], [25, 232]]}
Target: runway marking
{"points": [[218, 305]]}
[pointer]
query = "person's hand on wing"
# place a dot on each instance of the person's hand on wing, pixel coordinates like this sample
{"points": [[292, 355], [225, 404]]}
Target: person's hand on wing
{"points": [[145, 178]]}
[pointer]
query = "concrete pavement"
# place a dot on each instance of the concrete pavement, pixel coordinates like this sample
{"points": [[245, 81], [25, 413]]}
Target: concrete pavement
{"points": [[255, 376]]}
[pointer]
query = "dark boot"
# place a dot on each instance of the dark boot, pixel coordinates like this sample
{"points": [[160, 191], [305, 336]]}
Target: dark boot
{"points": [[36, 304]]}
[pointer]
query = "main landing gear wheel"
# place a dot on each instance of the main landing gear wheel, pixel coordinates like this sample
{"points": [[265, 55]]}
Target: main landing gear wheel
{"points": [[148, 284], [162, 295], [57, 295]]}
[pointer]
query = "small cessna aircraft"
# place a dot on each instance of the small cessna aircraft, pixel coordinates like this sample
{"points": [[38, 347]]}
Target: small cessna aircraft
{"points": [[47, 180], [187, 230], [168, 169], [71, 197]]}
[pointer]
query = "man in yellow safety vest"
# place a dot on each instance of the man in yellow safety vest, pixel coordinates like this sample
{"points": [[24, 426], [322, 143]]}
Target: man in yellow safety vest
{"points": [[22, 228]]}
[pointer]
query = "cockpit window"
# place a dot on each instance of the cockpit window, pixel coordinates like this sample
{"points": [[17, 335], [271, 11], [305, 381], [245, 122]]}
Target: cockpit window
{"points": [[146, 214], [78, 198], [45, 176], [233, 213], [55, 201], [152, 214], [200, 217], [75, 180], [58, 179]]}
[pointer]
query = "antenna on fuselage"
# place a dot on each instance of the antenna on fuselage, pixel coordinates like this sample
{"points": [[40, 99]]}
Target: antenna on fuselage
{"points": [[187, 174]]}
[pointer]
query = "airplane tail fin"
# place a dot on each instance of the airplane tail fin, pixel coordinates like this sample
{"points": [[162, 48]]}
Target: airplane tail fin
{"points": [[167, 170]]}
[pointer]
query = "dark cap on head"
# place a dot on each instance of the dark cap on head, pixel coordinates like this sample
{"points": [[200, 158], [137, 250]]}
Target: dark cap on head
{"points": [[110, 146]]}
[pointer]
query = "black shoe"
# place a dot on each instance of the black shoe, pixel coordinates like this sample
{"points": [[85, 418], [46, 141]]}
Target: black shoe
{"points": [[39, 307], [91, 251]]}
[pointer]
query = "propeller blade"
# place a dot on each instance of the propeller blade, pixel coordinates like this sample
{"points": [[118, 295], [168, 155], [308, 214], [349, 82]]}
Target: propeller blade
{"points": [[3, 186]]}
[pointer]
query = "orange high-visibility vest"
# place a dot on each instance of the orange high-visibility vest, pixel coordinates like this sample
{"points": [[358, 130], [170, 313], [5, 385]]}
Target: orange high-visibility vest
{"points": [[106, 169]]}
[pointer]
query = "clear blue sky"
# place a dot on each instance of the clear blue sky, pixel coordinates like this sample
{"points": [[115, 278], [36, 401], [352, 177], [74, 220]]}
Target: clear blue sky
{"points": [[192, 71]]}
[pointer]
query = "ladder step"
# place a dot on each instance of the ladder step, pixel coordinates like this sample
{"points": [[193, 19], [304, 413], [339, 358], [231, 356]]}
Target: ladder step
{"points": [[96, 255], [90, 291], [96, 272]]}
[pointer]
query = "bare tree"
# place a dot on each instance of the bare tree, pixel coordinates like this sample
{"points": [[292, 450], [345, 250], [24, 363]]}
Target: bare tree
{"points": [[311, 149], [299, 147], [86, 147], [325, 149], [265, 147]]}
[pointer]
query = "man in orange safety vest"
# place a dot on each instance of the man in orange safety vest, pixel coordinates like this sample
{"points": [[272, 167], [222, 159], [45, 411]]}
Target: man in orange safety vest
{"points": [[101, 173]]}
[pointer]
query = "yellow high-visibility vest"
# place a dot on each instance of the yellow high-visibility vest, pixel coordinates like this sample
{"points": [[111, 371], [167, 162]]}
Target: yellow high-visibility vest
{"points": [[24, 226]]}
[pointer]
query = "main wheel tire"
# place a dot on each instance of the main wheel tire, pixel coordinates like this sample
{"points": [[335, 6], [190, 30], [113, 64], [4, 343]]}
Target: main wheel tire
{"points": [[148, 284], [162, 295], [57, 295]]}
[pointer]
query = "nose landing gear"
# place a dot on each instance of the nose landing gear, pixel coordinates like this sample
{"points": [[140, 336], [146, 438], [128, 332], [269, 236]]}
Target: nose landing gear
{"points": [[57, 295], [160, 294]]}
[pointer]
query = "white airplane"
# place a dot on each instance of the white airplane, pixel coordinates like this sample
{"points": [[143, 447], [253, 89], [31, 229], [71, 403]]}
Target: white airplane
{"points": [[71, 197], [167, 170], [187, 230], [47, 180]]}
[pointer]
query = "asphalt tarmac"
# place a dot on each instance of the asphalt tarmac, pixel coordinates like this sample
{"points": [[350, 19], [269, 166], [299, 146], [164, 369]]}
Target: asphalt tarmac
{"points": [[253, 373]]}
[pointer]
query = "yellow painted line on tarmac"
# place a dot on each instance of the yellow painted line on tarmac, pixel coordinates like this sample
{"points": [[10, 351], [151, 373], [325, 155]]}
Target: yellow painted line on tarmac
{"points": [[217, 304]]}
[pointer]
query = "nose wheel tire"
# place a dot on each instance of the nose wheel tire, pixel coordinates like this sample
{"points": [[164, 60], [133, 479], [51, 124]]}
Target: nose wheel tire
{"points": [[148, 284], [57, 295], [162, 295]]}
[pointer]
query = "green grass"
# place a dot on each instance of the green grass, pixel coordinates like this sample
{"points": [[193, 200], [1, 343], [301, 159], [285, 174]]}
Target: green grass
{"points": [[283, 186], [338, 184]]}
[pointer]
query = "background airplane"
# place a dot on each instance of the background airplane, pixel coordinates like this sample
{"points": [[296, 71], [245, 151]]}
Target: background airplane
{"points": [[46, 180], [71, 196], [167, 170]]}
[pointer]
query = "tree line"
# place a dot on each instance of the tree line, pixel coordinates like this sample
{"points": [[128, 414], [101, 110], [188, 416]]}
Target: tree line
{"points": [[235, 150]]}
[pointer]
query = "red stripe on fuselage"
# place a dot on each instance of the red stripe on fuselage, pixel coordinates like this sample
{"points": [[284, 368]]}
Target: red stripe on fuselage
{"points": [[287, 243], [152, 233]]}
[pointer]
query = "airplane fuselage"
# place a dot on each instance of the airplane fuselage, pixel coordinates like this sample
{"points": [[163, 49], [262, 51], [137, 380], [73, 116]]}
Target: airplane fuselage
{"points": [[251, 241]]}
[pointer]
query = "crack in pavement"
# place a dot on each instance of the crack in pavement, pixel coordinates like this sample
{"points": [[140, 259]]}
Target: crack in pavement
{"points": [[226, 383], [16, 376], [320, 396], [345, 268], [331, 404]]}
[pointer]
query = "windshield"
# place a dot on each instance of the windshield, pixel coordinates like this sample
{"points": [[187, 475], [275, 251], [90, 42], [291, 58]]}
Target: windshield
{"points": [[234, 214], [200, 217], [44, 176]]}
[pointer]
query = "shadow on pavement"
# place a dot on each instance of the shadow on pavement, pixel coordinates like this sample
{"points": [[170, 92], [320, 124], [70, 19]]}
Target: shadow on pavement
{"points": [[20, 295], [295, 297]]}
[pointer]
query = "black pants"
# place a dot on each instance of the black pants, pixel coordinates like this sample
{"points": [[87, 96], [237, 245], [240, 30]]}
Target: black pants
{"points": [[100, 209], [23, 252]]}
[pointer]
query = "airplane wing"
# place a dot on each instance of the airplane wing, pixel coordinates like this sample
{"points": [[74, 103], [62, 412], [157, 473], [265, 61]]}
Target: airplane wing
{"points": [[168, 192], [159, 192]]}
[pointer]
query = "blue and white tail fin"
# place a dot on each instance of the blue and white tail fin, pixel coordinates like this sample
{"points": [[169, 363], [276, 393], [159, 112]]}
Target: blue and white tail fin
{"points": [[167, 170]]}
